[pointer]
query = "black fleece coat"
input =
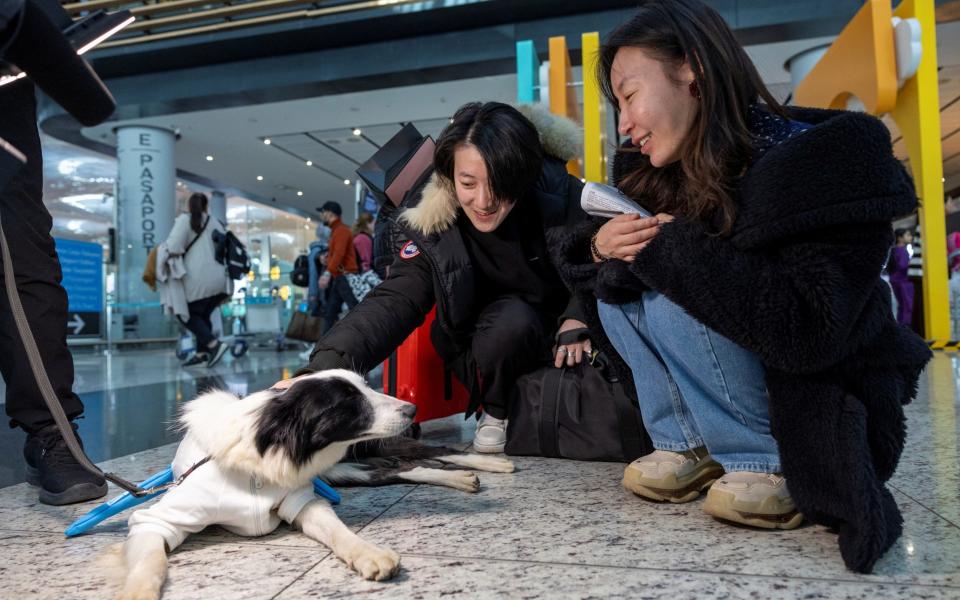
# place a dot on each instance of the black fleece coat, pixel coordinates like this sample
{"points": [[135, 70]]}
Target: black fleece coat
{"points": [[798, 283]]}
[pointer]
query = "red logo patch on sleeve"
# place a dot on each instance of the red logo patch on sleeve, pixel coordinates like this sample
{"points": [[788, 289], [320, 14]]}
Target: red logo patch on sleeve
{"points": [[409, 251]]}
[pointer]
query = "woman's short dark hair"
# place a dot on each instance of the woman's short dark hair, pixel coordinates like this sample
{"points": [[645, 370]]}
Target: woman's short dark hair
{"points": [[900, 232], [719, 144], [507, 141], [197, 203]]}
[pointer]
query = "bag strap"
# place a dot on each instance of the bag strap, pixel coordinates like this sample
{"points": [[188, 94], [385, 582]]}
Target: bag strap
{"points": [[550, 412], [572, 336], [202, 229], [630, 437]]}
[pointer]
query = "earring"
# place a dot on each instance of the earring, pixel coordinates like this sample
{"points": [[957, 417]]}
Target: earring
{"points": [[694, 90]]}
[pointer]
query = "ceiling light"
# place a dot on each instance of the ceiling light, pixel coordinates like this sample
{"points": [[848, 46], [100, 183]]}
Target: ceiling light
{"points": [[299, 193], [309, 163], [267, 141], [259, 177], [346, 182], [209, 157], [356, 131]]}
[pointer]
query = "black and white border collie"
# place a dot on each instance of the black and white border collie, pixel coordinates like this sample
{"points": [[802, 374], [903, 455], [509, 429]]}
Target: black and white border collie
{"points": [[278, 440]]}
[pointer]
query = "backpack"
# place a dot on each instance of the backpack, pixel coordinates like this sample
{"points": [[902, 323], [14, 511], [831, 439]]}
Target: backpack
{"points": [[230, 252], [300, 275]]}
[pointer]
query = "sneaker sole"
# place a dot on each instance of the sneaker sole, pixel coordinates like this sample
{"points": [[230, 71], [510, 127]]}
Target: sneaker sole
{"points": [[724, 505], [82, 492], [483, 449], [661, 491]]}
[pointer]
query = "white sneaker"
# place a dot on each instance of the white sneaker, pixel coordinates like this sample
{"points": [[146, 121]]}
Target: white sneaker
{"points": [[491, 435]]}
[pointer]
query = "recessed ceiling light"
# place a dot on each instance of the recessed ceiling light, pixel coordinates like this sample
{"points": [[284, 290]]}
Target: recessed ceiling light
{"points": [[209, 157], [356, 131], [299, 193], [259, 177], [346, 182], [267, 141], [309, 163]]}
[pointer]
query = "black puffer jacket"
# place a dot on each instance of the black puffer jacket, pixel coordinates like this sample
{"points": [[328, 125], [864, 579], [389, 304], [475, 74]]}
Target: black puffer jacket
{"points": [[797, 282], [435, 268]]}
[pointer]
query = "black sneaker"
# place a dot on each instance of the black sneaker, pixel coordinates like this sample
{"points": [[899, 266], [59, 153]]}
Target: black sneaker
{"points": [[217, 353], [52, 468], [196, 359]]}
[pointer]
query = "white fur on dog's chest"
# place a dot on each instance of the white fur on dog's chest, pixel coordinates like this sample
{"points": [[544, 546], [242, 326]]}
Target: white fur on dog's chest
{"points": [[242, 503]]}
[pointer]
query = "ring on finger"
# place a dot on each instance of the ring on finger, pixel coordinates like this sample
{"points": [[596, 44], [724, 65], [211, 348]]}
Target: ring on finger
{"points": [[562, 350]]}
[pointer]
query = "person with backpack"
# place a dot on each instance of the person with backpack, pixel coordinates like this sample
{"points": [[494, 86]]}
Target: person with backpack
{"points": [[341, 259], [316, 267], [206, 283], [363, 241]]}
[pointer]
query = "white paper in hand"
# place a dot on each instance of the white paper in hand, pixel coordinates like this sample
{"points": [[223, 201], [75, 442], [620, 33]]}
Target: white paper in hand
{"points": [[607, 201]]}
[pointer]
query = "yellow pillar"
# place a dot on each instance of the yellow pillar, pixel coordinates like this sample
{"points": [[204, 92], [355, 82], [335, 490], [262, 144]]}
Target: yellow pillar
{"points": [[594, 113], [917, 114], [563, 99]]}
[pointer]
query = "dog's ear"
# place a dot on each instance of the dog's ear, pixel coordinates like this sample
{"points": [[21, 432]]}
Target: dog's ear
{"points": [[312, 414]]}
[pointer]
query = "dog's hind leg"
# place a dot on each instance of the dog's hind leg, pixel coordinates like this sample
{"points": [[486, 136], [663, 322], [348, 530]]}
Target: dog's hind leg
{"points": [[319, 522], [491, 464], [373, 475], [466, 481], [145, 559]]}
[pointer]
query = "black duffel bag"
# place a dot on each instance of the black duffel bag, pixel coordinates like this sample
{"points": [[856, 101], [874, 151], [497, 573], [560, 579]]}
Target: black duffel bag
{"points": [[579, 412]]}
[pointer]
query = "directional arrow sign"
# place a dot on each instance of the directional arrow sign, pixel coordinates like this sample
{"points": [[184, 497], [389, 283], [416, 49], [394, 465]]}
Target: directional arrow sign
{"points": [[76, 323]]}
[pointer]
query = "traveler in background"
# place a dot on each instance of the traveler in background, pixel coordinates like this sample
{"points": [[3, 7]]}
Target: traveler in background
{"points": [[363, 240], [316, 265], [206, 283], [341, 259], [897, 268]]}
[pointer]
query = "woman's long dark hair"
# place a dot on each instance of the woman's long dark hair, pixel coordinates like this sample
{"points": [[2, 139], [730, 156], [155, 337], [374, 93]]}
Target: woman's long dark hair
{"points": [[198, 205], [508, 142], [718, 147]]}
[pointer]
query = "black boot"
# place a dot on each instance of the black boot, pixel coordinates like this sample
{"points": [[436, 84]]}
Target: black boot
{"points": [[52, 468]]}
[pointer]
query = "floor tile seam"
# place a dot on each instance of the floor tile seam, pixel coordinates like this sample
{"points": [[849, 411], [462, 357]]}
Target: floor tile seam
{"points": [[301, 576], [384, 511], [688, 571], [925, 506]]}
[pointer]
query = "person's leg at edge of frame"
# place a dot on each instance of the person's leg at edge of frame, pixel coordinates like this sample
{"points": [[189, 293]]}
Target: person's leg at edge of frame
{"points": [[724, 387], [50, 466], [680, 467]]}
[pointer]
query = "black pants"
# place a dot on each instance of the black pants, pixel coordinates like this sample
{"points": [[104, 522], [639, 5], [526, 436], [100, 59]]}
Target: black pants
{"points": [[199, 322], [27, 225], [339, 292], [510, 339]]}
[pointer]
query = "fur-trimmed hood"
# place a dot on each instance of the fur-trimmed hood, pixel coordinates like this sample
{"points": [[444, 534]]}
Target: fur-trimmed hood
{"points": [[437, 209]]}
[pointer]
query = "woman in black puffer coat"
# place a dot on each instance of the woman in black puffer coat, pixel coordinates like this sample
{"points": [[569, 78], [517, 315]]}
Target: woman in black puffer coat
{"points": [[749, 310]]}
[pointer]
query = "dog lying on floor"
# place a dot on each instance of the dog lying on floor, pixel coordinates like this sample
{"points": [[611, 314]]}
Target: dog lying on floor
{"points": [[264, 452]]}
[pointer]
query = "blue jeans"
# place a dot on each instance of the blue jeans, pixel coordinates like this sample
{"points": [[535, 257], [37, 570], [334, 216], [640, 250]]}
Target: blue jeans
{"points": [[696, 387]]}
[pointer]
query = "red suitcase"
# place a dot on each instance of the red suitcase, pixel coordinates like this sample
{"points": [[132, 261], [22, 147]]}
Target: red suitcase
{"points": [[416, 374]]}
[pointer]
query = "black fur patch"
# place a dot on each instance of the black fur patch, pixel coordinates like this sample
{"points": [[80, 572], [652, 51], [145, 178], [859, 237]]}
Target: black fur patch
{"points": [[311, 415]]}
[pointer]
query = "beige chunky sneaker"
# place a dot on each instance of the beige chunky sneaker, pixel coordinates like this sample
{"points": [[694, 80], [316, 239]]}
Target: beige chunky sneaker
{"points": [[757, 499], [668, 476]]}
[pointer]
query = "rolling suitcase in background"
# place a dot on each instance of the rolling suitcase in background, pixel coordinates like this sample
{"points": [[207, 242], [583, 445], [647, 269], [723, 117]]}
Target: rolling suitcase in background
{"points": [[415, 373]]}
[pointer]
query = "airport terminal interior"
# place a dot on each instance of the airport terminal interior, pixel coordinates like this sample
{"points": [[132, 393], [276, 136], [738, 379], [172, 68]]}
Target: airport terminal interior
{"points": [[271, 110]]}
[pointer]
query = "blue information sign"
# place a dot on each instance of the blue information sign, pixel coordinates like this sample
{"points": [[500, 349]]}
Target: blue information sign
{"points": [[82, 265]]}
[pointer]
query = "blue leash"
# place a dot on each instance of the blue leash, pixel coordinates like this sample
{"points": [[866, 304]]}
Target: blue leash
{"points": [[126, 500]]}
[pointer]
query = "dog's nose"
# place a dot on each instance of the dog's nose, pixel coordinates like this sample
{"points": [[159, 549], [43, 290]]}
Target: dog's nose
{"points": [[408, 410]]}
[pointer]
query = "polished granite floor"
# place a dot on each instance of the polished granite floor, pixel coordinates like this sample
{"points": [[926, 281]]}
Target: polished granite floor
{"points": [[553, 529]]}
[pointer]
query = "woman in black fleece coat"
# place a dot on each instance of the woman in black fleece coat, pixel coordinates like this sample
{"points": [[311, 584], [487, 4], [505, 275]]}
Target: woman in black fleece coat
{"points": [[772, 229]]}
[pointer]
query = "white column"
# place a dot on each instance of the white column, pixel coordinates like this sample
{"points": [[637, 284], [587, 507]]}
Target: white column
{"points": [[146, 206], [218, 205]]}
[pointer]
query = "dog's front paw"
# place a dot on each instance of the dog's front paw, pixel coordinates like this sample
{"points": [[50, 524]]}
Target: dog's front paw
{"points": [[375, 563], [138, 593], [496, 464]]}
